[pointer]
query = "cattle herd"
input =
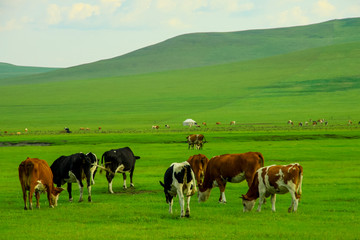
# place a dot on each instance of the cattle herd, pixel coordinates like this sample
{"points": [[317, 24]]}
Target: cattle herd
{"points": [[183, 179]]}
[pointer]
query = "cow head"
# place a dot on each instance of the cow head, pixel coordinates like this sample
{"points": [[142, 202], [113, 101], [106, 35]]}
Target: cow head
{"points": [[198, 164], [247, 203], [203, 196], [167, 194], [55, 196]]}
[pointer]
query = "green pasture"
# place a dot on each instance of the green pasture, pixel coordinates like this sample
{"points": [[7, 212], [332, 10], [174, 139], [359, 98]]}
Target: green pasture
{"points": [[328, 208]]}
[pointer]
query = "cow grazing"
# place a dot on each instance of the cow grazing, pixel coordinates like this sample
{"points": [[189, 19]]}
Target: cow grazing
{"points": [[232, 123], [197, 140], [272, 180], [73, 169], [218, 123], [120, 160], [229, 168], [204, 123], [198, 164], [179, 180], [35, 176], [155, 127], [167, 125]]}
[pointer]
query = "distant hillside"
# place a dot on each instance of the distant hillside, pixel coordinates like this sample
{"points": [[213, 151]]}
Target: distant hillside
{"points": [[9, 70], [207, 49]]}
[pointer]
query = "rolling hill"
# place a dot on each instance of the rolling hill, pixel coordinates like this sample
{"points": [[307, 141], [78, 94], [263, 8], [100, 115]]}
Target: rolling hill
{"points": [[313, 82], [207, 49], [10, 71]]}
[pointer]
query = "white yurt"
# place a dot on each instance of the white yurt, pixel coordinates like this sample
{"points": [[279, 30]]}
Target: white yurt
{"points": [[189, 122]]}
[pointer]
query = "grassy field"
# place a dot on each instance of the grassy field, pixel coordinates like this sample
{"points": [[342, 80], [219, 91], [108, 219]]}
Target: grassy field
{"points": [[327, 210]]}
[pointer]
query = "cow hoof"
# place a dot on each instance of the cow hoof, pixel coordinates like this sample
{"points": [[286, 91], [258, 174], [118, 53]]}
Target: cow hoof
{"points": [[80, 200], [132, 185], [89, 199], [25, 208], [71, 199], [51, 206]]}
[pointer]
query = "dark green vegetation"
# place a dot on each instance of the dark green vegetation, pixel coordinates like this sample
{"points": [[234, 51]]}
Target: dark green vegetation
{"points": [[9, 70], [260, 79], [328, 208]]}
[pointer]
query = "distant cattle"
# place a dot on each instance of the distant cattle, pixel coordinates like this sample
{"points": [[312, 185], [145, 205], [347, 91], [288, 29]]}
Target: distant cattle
{"points": [[218, 123], [198, 164], [300, 124], [36, 177], [73, 169], [229, 168], [290, 122], [155, 127], [167, 125], [272, 180], [204, 123], [197, 140], [350, 122], [67, 130], [314, 123], [232, 123], [179, 180], [120, 160]]}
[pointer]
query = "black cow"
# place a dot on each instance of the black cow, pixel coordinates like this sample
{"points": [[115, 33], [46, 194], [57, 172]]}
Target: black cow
{"points": [[120, 160], [75, 168], [179, 180]]}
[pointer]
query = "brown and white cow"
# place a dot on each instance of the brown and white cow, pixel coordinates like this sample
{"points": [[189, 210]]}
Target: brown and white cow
{"points": [[198, 164], [232, 123], [229, 168], [36, 177], [197, 140], [272, 180]]}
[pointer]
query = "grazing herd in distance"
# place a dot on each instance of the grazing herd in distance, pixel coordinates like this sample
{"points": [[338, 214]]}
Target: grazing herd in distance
{"points": [[156, 127], [184, 179]]}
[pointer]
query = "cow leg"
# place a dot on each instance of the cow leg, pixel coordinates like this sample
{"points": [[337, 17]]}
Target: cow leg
{"points": [[187, 214], [131, 177], [30, 198], [88, 182], [171, 202], [69, 191], [124, 177], [222, 186], [110, 177], [294, 202], [48, 194], [37, 196], [81, 188], [181, 200], [24, 197], [261, 201], [273, 200]]}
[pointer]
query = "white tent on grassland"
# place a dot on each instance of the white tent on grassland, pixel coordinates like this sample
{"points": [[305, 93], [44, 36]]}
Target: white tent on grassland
{"points": [[189, 122]]}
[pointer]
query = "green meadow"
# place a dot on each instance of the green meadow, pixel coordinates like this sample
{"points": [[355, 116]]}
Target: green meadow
{"points": [[328, 208], [260, 79]]}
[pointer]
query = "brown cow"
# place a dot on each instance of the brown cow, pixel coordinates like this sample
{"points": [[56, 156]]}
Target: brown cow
{"points": [[198, 164], [232, 123], [35, 176], [229, 168], [272, 180], [195, 139]]}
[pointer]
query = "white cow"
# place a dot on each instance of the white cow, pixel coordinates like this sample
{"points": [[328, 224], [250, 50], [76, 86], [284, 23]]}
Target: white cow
{"points": [[272, 180], [179, 180]]}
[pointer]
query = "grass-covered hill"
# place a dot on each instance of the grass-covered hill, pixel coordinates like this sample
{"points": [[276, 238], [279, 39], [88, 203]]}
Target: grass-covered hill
{"points": [[314, 82], [207, 49], [9, 70]]}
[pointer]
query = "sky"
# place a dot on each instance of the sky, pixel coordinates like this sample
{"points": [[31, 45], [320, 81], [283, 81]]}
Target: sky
{"points": [[65, 33]]}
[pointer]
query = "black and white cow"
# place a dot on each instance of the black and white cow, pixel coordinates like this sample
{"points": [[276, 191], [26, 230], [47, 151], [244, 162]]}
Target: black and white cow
{"points": [[179, 180], [73, 169], [120, 160]]}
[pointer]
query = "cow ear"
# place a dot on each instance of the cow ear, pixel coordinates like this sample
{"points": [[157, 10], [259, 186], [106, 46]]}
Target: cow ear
{"points": [[162, 184], [243, 196]]}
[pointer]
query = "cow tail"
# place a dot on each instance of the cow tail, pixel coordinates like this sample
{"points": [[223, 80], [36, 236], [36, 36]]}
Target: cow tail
{"points": [[261, 159], [102, 160]]}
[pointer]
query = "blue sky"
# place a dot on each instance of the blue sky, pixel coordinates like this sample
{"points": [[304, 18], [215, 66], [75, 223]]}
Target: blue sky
{"points": [[64, 33]]}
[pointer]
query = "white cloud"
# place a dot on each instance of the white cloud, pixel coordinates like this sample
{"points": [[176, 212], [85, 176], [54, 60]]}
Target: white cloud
{"points": [[324, 8], [81, 11], [177, 23], [15, 24], [294, 16], [166, 5], [231, 5], [111, 5], [54, 14]]}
